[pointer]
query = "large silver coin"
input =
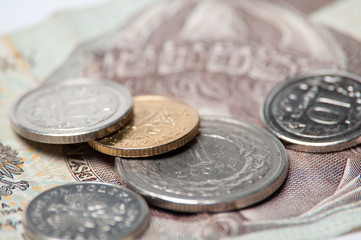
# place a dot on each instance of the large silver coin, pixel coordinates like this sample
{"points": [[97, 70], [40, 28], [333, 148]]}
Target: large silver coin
{"points": [[318, 112], [229, 165], [86, 211], [76, 110]]}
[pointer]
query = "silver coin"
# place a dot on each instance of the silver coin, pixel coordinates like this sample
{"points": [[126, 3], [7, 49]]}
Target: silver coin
{"points": [[86, 211], [317, 112], [76, 110], [229, 165]]}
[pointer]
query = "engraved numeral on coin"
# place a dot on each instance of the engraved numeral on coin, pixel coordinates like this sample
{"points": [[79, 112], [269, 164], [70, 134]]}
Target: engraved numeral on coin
{"points": [[201, 156], [328, 111]]}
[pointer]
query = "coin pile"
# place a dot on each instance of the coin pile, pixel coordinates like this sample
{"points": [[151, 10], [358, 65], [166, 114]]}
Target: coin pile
{"points": [[170, 156]]}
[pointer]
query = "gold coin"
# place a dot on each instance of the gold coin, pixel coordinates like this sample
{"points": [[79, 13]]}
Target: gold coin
{"points": [[160, 124]]}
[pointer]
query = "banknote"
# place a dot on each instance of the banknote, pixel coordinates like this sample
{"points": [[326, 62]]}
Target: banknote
{"points": [[221, 57]]}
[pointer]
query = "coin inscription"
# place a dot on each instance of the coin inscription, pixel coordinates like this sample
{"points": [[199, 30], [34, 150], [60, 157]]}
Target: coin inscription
{"points": [[229, 165], [75, 110], [320, 106], [86, 211], [160, 124], [70, 107], [316, 109]]}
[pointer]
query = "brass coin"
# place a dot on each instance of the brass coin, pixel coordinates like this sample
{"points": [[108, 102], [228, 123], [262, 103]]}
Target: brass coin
{"points": [[160, 124]]}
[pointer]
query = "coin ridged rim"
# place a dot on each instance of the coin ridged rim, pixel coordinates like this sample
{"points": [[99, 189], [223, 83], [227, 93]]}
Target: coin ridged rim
{"points": [[73, 137], [299, 143], [220, 203], [143, 223], [157, 148]]}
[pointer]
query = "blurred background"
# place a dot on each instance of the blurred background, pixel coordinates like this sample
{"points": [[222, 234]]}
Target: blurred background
{"points": [[19, 14]]}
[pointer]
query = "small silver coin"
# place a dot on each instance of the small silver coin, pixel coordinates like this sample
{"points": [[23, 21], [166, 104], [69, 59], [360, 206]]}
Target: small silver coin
{"points": [[86, 211], [317, 112], [229, 165], [76, 110]]}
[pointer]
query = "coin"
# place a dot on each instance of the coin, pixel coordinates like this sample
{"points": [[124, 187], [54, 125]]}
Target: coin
{"points": [[86, 211], [160, 124], [229, 165], [76, 110], [316, 112]]}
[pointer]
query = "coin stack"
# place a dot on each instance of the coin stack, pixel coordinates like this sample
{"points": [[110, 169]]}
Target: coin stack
{"points": [[175, 160]]}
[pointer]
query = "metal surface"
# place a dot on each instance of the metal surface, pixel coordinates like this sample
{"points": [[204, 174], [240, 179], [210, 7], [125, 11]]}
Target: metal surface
{"points": [[317, 112], [160, 124], [75, 110], [229, 165], [86, 211]]}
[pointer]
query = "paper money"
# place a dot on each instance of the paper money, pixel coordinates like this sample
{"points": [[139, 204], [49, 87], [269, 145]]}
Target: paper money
{"points": [[222, 57]]}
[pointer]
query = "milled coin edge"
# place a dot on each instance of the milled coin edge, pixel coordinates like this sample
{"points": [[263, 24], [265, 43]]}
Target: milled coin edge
{"points": [[190, 205]]}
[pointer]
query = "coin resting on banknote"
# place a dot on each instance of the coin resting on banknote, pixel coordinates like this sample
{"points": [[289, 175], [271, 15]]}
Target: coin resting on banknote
{"points": [[316, 112], [222, 58], [160, 124], [86, 211], [229, 165], [72, 111]]}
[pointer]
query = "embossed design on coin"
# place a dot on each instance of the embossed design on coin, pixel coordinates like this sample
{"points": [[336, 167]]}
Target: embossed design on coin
{"points": [[229, 165], [76, 110], [86, 211], [160, 124], [317, 112]]}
